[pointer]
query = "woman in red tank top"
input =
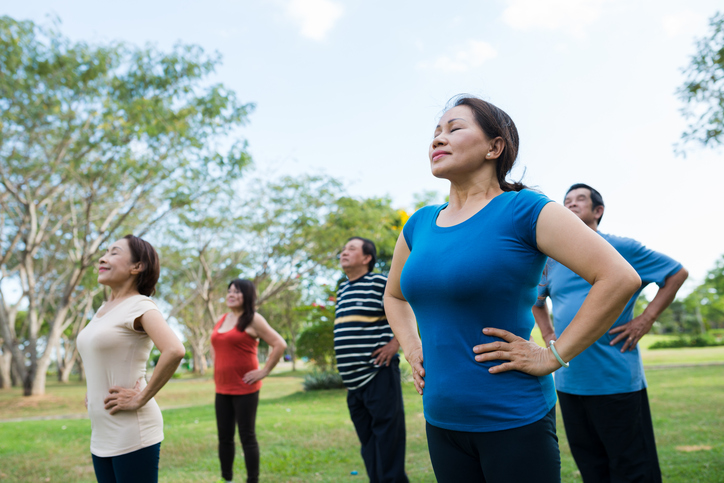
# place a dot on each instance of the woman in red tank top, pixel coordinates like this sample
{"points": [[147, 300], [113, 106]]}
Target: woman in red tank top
{"points": [[237, 375]]}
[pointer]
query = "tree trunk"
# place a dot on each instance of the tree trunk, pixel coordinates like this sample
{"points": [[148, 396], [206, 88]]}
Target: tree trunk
{"points": [[65, 371], [36, 385], [6, 360], [700, 320], [293, 355], [66, 359], [15, 378], [200, 365]]}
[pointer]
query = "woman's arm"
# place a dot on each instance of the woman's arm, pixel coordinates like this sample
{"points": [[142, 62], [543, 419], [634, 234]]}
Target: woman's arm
{"points": [[172, 352], [564, 237], [261, 329], [401, 317]]}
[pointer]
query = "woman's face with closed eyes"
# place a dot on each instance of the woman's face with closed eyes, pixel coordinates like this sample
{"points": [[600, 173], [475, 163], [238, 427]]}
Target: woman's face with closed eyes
{"points": [[459, 145]]}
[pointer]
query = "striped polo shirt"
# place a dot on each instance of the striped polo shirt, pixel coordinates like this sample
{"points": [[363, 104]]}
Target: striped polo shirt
{"points": [[360, 328]]}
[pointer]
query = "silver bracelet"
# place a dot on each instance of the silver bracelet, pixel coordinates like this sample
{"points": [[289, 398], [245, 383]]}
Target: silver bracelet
{"points": [[555, 353]]}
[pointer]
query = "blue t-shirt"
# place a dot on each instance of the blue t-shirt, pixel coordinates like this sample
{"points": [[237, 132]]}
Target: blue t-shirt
{"points": [[480, 273], [602, 369]]}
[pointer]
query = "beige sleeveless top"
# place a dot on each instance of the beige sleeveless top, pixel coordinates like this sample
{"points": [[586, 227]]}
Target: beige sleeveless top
{"points": [[115, 354]]}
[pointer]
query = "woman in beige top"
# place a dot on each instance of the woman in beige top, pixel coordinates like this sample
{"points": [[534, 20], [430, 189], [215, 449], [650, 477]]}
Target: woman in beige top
{"points": [[126, 423]]}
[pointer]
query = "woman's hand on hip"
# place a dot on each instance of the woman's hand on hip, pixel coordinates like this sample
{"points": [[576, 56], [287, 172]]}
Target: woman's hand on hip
{"points": [[522, 355], [254, 376], [418, 371], [124, 399]]}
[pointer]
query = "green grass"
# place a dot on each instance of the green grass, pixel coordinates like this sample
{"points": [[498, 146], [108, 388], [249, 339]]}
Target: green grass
{"points": [[306, 437]]}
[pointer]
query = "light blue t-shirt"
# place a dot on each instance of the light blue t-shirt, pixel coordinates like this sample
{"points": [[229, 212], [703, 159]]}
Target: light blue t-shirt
{"points": [[602, 369], [480, 273]]}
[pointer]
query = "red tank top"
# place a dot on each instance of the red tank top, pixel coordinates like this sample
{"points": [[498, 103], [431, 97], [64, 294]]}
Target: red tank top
{"points": [[235, 354]]}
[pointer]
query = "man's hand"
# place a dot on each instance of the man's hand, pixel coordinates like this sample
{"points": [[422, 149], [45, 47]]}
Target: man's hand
{"points": [[547, 338], [384, 354], [632, 332]]}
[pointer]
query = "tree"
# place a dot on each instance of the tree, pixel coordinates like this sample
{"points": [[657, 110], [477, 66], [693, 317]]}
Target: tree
{"points": [[317, 341], [285, 313], [283, 226], [706, 302], [703, 90], [131, 135], [194, 281], [372, 218]]}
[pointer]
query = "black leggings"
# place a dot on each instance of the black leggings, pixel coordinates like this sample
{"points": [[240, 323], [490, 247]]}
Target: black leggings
{"points": [[528, 453], [241, 410], [140, 466]]}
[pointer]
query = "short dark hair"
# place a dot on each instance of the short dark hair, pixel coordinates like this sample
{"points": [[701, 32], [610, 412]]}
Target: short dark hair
{"points": [[368, 248], [596, 198], [248, 290], [142, 251]]}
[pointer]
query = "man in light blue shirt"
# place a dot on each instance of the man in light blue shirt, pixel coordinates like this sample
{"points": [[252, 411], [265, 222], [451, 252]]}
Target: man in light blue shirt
{"points": [[603, 393]]}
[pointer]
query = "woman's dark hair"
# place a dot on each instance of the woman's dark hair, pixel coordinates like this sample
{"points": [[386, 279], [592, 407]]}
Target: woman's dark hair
{"points": [[142, 251], [368, 248], [248, 290], [495, 123]]}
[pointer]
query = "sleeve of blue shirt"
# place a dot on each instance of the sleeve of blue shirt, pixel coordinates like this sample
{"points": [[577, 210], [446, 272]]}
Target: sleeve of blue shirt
{"points": [[528, 205], [652, 266], [409, 229]]}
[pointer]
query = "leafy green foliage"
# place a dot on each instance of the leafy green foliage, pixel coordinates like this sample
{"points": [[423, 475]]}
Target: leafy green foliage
{"points": [[700, 311], [700, 340], [317, 341], [703, 90], [320, 380], [371, 218]]}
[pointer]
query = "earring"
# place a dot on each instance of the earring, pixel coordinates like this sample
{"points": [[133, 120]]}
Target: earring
{"points": [[488, 154]]}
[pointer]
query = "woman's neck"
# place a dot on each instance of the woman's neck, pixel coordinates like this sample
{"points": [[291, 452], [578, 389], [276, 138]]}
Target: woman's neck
{"points": [[481, 188], [236, 312], [123, 291]]}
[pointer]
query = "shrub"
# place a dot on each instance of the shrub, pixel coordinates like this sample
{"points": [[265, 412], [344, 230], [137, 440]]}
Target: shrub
{"points": [[701, 340], [318, 380], [317, 343]]}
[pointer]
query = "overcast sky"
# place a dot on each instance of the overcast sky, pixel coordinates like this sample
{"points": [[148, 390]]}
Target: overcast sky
{"points": [[353, 89]]}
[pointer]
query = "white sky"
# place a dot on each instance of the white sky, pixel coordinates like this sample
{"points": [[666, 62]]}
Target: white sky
{"points": [[353, 88]]}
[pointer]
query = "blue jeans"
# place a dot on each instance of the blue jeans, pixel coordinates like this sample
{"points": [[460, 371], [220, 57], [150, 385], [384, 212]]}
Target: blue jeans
{"points": [[140, 466]]}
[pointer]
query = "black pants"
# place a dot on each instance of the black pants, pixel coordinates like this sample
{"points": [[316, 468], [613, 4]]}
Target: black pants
{"points": [[379, 418], [140, 466], [241, 410], [611, 437], [519, 455]]}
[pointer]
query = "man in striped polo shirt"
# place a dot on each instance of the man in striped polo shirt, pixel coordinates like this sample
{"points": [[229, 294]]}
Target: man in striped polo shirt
{"points": [[367, 360]]}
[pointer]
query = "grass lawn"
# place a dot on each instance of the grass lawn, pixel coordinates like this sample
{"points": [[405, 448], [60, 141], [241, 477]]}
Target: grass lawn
{"points": [[306, 437]]}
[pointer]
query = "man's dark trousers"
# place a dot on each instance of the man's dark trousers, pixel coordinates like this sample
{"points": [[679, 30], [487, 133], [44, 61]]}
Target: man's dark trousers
{"points": [[611, 437], [379, 418]]}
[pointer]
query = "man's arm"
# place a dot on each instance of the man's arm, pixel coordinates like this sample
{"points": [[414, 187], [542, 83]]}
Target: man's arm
{"points": [[641, 325], [543, 320]]}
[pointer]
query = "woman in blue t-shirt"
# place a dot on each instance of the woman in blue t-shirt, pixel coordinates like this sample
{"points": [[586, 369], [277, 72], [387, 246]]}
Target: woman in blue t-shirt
{"points": [[465, 273]]}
